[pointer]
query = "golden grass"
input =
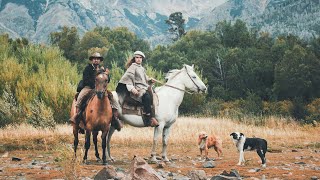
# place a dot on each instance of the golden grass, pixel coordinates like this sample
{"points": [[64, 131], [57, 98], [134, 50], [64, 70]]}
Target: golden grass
{"points": [[278, 132]]}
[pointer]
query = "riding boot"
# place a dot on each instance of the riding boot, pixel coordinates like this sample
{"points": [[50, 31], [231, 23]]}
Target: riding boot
{"points": [[150, 121], [76, 120], [154, 122], [116, 123]]}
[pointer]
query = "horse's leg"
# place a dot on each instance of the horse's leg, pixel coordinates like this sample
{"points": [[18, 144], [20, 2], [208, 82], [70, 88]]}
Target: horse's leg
{"points": [[155, 142], [165, 137], [110, 133], [86, 145], [95, 142], [75, 140], [104, 145]]}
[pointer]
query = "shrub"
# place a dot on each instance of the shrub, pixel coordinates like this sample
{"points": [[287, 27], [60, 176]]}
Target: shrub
{"points": [[41, 116], [280, 108], [10, 111], [192, 104], [252, 104], [212, 107], [299, 110], [314, 110]]}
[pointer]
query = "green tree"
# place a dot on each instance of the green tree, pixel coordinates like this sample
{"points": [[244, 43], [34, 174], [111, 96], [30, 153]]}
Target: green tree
{"points": [[68, 41], [297, 75], [91, 40], [122, 43], [236, 35], [176, 25]]}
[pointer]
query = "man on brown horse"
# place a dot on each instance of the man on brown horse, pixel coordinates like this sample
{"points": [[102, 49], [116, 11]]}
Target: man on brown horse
{"points": [[89, 75], [135, 81]]}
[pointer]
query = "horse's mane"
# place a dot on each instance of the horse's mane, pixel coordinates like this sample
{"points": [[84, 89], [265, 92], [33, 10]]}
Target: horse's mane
{"points": [[172, 73], [100, 71]]}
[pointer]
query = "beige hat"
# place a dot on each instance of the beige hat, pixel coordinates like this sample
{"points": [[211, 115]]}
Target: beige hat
{"points": [[139, 53], [96, 55]]}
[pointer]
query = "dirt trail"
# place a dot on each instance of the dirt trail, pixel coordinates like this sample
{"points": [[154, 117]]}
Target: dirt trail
{"points": [[283, 164]]}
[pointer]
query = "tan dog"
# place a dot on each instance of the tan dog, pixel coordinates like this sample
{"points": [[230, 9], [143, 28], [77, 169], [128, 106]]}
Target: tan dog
{"points": [[205, 142]]}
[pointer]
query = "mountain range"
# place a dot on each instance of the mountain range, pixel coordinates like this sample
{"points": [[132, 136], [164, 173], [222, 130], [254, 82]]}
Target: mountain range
{"points": [[36, 19]]}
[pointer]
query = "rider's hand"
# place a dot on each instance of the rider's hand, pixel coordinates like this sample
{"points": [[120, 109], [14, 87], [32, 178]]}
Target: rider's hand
{"points": [[107, 71], [134, 91], [151, 80]]}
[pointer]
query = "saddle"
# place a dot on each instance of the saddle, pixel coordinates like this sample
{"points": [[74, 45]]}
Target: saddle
{"points": [[131, 106]]}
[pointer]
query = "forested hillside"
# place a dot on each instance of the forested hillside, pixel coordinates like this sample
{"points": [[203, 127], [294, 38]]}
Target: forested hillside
{"points": [[248, 74]]}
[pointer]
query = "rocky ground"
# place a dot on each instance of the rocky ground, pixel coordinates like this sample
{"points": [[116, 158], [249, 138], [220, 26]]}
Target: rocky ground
{"points": [[283, 163]]}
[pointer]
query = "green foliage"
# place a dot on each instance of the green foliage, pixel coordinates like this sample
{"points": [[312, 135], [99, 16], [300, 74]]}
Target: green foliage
{"points": [[252, 105], [37, 71], [41, 116], [176, 25], [115, 75], [91, 39], [68, 41], [212, 107], [192, 104], [297, 75], [279, 108], [314, 111], [299, 109], [236, 35], [122, 42], [10, 111]]}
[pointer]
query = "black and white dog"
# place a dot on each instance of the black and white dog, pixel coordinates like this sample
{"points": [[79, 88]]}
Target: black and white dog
{"points": [[247, 144]]}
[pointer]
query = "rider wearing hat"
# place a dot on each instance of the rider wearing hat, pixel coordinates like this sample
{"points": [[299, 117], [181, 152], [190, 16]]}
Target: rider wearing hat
{"points": [[89, 75], [135, 81]]}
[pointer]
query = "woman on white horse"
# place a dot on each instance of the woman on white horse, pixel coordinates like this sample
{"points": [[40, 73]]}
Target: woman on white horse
{"points": [[135, 82], [170, 96]]}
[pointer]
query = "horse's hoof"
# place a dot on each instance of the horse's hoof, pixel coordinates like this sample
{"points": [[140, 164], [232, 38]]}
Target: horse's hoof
{"points": [[166, 160], [85, 162], [98, 160], [105, 162], [81, 131], [110, 160], [153, 160]]}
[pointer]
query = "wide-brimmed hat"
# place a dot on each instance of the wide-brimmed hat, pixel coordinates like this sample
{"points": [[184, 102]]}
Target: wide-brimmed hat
{"points": [[139, 53], [96, 55]]}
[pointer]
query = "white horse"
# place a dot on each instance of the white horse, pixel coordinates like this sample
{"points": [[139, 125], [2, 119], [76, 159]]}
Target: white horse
{"points": [[170, 96]]}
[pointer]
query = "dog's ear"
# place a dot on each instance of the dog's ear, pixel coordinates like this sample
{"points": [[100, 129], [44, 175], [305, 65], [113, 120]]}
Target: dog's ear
{"points": [[241, 134], [232, 134]]}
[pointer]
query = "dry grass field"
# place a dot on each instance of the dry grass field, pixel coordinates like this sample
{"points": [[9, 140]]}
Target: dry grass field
{"points": [[294, 150]]}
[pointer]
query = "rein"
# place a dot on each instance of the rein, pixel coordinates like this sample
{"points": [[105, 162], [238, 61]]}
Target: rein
{"points": [[165, 84]]}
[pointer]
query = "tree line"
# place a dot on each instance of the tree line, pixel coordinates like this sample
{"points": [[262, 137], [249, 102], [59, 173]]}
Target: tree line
{"points": [[248, 73]]}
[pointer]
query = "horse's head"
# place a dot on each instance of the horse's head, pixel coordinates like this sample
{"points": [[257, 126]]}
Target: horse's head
{"points": [[194, 83], [188, 77], [101, 83], [192, 80]]}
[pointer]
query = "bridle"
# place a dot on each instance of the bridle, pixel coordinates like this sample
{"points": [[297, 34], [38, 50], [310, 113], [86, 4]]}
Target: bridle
{"points": [[165, 84], [198, 88], [104, 90]]}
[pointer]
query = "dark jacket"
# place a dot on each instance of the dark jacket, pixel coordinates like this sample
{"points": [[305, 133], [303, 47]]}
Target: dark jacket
{"points": [[89, 76]]}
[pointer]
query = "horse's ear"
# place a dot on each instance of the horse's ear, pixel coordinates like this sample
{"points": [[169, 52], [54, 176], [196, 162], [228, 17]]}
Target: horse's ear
{"points": [[192, 66]]}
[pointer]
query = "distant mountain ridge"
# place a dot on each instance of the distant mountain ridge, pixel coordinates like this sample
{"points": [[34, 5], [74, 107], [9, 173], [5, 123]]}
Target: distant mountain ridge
{"points": [[301, 18], [36, 19]]}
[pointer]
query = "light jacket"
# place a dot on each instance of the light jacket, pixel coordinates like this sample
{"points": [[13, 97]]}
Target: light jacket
{"points": [[135, 76]]}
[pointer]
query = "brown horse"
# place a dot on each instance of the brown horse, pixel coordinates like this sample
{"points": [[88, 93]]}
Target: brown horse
{"points": [[98, 115]]}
